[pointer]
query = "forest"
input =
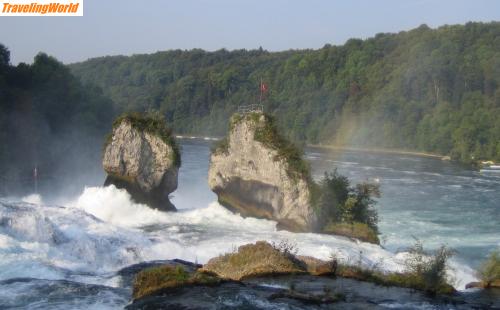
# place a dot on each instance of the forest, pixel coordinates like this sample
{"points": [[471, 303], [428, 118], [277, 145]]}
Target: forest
{"points": [[433, 90], [48, 121]]}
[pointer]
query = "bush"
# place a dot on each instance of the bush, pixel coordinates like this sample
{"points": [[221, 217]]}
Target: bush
{"points": [[489, 271], [399, 279], [346, 210], [424, 271], [329, 195], [428, 270], [221, 146]]}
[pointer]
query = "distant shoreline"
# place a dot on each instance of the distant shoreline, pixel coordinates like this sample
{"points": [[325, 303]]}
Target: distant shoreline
{"points": [[348, 148], [337, 147], [379, 150]]}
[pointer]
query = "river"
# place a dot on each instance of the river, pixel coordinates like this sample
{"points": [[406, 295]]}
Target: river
{"points": [[67, 255]]}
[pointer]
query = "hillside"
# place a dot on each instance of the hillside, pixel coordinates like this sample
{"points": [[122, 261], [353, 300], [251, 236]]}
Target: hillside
{"points": [[434, 90], [50, 121]]}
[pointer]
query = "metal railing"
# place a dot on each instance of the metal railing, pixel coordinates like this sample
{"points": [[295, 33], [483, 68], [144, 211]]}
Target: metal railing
{"points": [[252, 108]]}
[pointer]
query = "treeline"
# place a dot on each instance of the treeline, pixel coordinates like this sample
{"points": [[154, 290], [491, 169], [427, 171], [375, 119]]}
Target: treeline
{"points": [[435, 90], [50, 121]]}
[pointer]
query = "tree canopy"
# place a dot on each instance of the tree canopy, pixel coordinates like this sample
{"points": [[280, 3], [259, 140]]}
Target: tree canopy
{"points": [[435, 90], [48, 120]]}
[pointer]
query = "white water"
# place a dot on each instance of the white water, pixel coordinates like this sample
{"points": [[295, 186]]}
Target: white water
{"points": [[88, 238], [103, 231]]}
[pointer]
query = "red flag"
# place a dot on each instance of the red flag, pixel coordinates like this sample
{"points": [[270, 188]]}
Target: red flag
{"points": [[263, 87]]}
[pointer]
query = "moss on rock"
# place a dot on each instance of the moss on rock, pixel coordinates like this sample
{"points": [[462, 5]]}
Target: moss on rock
{"points": [[266, 132], [356, 230], [152, 123], [253, 260], [157, 280]]}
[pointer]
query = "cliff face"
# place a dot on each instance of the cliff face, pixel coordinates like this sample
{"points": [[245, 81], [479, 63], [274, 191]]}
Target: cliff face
{"points": [[142, 162], [250, 177]]}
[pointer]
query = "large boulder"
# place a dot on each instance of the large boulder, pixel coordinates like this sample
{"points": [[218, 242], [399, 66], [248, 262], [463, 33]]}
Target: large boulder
{"points": [[257, 173], [253, 260], [142, 157]]}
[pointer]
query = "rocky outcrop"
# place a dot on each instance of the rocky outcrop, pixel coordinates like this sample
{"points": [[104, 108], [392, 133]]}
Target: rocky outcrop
{"points": [[142, 157], [253, 260], [257, 173]]}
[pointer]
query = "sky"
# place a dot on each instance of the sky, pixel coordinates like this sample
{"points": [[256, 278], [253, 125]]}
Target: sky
{"points": [[124, 27]]}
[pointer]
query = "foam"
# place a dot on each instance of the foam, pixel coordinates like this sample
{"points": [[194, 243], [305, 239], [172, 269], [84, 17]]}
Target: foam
{"points": [[115, 206], [199, 234], [33, 198], [103, 231]]}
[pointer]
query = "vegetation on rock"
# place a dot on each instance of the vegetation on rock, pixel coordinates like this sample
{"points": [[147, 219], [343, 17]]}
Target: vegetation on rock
{"points": [[253, 260], [269, 135], [156, 280], [489, 271], [356, 230], [425, 271], [266, 132], [345, 210], [342, 209], [153, 123]]}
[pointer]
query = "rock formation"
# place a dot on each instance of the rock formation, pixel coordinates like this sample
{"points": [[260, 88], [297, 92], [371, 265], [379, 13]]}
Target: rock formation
{"points": [[257, 173], [142, 157]]}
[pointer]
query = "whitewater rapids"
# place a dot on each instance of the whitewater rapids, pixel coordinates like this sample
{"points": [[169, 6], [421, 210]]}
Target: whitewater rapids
{"points": [[91, 237]]}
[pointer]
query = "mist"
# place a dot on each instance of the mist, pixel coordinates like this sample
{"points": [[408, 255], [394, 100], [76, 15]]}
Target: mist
{"points": [[52, 123]]}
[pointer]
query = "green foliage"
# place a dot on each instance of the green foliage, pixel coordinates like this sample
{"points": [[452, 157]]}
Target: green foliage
{"points": [[48, 119], [424, 272], [221, 146], [155, 124], [267, 133], [433, 90], [356, 230], [489, 271], [346, 210], [429, 269], [399, 279], [157, 279]]}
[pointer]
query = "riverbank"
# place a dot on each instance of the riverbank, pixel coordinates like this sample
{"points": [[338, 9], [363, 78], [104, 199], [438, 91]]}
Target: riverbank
{"points": [[476, 165], [379, 151], [340, 148]]}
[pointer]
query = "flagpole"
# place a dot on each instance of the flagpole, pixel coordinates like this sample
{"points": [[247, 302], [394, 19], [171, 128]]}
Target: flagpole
{"points": [[260, 86], [35, 177]]}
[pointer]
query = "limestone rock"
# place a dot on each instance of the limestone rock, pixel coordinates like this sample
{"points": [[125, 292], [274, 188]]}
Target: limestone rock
{"points": [[252, 175], [143, 158]]}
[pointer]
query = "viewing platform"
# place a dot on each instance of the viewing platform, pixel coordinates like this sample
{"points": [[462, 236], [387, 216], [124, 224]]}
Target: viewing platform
{"points": [[252, 108]]}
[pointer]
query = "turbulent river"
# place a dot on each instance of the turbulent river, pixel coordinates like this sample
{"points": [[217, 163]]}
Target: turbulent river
{"points": [[67, 255]]}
